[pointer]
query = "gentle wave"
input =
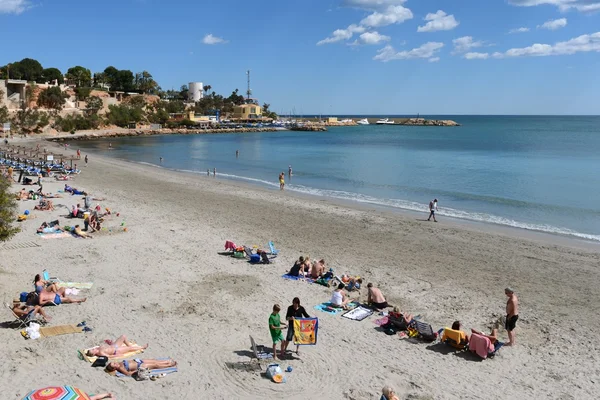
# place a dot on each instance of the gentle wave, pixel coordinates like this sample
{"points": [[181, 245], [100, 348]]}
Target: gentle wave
{"points": [[413, 206], [405, 205]]}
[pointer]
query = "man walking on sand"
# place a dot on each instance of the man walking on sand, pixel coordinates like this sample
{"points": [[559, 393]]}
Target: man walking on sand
{"points": [[512, 315], [432, 209]]}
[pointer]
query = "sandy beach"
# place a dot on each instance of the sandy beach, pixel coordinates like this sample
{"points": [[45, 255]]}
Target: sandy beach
{"points": [[163, 282]]}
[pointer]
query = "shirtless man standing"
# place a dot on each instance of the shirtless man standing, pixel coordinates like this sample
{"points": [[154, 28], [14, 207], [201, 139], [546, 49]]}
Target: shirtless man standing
{"points": [[512, 315]]}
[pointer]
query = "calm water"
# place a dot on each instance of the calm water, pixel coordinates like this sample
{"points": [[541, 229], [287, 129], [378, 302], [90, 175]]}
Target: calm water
{"points": [[539, 173]]}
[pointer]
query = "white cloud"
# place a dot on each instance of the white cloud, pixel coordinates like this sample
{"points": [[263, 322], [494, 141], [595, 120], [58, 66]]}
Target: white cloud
{"points": [[13, 6], [342, 34], [563, 5], [554, 24], [391, 15], [440, 21], [476, 56], [427, 50], [519, 30], [466, 43], [371, 38], [580, 44], [434, 59], [211, 39], [372, 4]]}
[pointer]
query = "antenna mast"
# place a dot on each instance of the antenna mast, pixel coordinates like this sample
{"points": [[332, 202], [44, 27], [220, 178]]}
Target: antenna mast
{"points": [[249, 91]]}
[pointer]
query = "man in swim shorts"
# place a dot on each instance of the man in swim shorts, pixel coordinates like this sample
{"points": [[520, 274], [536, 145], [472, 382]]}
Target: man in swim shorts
{"points": [[376, 299], [512, 315]]}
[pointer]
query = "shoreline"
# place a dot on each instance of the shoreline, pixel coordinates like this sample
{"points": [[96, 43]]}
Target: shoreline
{"points": [[163, 282], [482, 226]]}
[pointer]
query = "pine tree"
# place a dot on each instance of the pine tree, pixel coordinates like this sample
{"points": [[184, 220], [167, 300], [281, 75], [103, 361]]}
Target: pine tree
{"points": [[8, 211]]}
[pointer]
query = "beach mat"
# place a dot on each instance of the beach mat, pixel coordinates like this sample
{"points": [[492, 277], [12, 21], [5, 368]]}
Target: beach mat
{"points": [[153, 372], [47, 331], [297, 278], [326, 307], [75, 285], [60, 235], [358, 314], [82, 354]]}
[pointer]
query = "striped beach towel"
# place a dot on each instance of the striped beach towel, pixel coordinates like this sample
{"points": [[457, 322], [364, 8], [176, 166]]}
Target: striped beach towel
{"points": [[154, 372]]}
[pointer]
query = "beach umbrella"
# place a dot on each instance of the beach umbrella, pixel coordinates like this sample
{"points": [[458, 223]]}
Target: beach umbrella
{"points": [[57, 393]]}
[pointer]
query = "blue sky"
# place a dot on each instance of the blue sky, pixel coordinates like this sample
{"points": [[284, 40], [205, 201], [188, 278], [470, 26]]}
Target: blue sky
{"points": [[333, 56]]}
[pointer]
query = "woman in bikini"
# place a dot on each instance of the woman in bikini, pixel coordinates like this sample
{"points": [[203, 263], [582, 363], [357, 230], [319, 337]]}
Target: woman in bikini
{"points": [[117, 348], [127, 367], [42, 285]]}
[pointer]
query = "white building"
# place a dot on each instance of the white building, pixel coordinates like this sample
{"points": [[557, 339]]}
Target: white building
{"points": [[196, 91]]}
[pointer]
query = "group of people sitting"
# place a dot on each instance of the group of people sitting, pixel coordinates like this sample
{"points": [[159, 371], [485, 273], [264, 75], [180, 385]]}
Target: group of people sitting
{"points": [[307, 269], [122, 346], [45, 294], [375, 298]]}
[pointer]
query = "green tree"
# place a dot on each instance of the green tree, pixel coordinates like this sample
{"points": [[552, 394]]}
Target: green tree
{"points": [[94, 104], [99, 79], [3, 114], [183, 92], [27, 69], [83, 93], [29, 120], [122, 115], [124, 81], [52, 97], [8, 210], [110, 75], [51, 74], [81, 75]]}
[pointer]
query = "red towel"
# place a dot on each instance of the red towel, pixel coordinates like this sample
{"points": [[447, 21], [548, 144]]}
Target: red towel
{"points": [[481, 345], [229, 245]]}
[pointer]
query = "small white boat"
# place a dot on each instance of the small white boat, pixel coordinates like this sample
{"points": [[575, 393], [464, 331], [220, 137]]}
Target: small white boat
{"points": [[363, 121], [385, 121]]}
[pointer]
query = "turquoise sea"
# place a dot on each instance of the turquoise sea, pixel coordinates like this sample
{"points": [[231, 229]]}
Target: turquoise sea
{"points": [[538, 173]]}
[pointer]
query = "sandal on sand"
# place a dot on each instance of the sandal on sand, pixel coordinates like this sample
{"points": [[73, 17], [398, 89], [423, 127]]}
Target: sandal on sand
{"points": [[87, 329], [82, 323]]}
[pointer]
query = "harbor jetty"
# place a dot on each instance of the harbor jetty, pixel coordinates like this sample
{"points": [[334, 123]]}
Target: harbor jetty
{"points": [[309, 128]]}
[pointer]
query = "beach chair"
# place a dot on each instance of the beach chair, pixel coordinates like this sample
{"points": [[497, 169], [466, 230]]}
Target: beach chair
{"points": [[48, 278], [483, 347], [425, 330], [274, 251], [22, 322], [454, 338], [259, 351]]}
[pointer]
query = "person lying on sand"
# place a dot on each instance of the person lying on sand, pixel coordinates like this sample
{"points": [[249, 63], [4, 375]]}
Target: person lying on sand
{"points": [[44, 205], [493, 336], [47, 298], [23, 195], [25, 311], [130, 367], [375, 298], [79, 233], [51, 227], [339, 298], [103, 396], [116, 348]]}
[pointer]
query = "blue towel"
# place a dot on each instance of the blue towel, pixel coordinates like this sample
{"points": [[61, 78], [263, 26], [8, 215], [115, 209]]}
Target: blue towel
{"points": [[297, 278], [326, 307]]}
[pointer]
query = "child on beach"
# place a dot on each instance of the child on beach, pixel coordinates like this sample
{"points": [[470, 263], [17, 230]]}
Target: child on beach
{"points": [[275, 329]]}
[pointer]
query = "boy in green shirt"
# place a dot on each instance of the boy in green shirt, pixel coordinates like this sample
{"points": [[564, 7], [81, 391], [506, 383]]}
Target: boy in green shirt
{"points": [[275, 329]]}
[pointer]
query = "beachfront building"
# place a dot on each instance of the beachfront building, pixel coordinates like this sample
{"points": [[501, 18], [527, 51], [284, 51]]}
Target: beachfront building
{"points": [[247, 112], [195, 91]]}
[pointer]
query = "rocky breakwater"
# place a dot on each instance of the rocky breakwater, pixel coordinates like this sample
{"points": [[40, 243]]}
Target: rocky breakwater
{"points": [[309, 128], [91, 135], [428, 122]]}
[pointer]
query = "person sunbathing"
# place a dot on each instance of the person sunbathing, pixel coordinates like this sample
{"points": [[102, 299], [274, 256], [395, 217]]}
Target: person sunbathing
{"points": [[339, 298], [44, 205], [24, 312], [493, 336], [103, 396], [400, 320], [126, 367], [79, 233], [118, 347], [46, 298], [464, 337], [388, 394], [23, 195], [49, 228]]}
